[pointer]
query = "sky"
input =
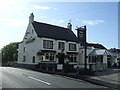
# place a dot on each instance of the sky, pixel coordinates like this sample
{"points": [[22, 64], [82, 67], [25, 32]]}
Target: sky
{"points": [[101, 18]]}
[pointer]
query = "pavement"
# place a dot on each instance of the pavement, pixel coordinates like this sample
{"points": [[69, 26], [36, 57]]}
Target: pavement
{"points": [[109, 78]]}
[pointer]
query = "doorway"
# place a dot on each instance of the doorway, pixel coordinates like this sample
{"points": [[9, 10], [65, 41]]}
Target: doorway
{"points": [[61, 58]]}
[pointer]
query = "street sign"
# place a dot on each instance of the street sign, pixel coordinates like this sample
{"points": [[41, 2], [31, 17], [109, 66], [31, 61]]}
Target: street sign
{"points": [[81, 33]]}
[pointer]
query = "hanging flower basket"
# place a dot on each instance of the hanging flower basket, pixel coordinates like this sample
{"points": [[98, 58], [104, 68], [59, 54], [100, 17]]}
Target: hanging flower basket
{"points": [[58, 55]]}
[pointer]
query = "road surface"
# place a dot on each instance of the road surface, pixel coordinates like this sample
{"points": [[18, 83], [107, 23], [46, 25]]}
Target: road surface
{"points": [[22, 78]]}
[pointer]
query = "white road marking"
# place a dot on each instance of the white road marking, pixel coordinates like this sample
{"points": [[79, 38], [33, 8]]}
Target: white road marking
{"points": [[39, 80]]}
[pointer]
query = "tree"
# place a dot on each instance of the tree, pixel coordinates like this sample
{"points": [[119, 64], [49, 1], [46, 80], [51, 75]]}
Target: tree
{"points": [[9, 52]]}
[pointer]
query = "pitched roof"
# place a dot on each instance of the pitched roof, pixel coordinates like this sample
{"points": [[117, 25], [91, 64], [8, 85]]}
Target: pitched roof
{"points": [[54, 32], [114, 50], [100, 52], [98, 46], [103, 52]]}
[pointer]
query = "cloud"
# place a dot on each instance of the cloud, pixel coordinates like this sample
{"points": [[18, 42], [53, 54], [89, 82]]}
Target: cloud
{"points": [[43, 7], [37, 7], [43, 17], [72, 0], [92, 22], [77, 19], [40, 7], [55, 8], [15, 22], [6, 5], [60, 21], [25, 8]]}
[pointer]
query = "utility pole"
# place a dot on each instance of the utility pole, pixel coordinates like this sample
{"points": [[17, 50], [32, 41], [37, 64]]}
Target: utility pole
{"points": [[85, 48], [81, 33]]}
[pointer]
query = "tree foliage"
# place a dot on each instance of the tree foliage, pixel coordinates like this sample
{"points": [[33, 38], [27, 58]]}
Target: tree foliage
{"points": [[9, 52]]}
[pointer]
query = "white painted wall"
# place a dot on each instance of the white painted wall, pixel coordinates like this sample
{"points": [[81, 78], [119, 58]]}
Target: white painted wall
{"points": [[105, 59], [81, 54], [33, 47], [0, 58], [30, 47]]}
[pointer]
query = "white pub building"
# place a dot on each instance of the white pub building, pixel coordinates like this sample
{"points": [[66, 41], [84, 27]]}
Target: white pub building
{"points": [[54, 45], [46, 43]]}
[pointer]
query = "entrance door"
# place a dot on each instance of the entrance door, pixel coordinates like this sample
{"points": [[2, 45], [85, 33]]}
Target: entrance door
{"points": [[61, 58], [109, 61]]}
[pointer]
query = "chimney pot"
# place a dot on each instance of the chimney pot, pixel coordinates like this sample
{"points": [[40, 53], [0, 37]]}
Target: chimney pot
{"points": [[31, 18], [69, 26]]}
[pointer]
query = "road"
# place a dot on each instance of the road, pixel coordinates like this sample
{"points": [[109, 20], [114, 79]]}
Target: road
{"points": [[23, 78]]}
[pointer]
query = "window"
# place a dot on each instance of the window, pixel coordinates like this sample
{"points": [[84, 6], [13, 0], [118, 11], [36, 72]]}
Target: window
{"points": [[24, 49], [89, 58], [33, 59], [72, 47], [61, 45], [100, 58], [72, 58], [23, 58], [75, 59], [47, 44], [94, 58], [49, 56]]}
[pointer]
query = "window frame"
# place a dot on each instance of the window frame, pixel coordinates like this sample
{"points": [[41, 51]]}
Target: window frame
{"points": [[72, 58], [72, 47], [47, 44], [49, 56], [61, 45]]}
